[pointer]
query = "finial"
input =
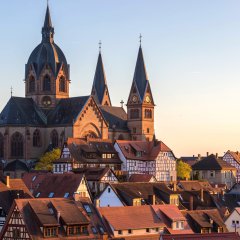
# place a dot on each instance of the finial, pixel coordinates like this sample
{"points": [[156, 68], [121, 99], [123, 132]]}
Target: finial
{"points": [[122, 102], [11, 91], [140, 39], [100, 46], [47, 2]]}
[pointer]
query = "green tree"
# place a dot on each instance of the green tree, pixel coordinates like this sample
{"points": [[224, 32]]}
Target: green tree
{"points": [[46, 160], [183, 170]]}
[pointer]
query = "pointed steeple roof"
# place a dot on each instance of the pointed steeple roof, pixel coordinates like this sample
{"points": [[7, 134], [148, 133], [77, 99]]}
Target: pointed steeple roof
{"points": [[99, 88], [47, 21], [140, 74], [47, 30]]}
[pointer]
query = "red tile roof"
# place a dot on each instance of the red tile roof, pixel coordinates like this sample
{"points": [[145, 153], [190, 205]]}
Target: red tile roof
{"points": [[131, 217], [141, 178], [209, 236], [149, 150]]}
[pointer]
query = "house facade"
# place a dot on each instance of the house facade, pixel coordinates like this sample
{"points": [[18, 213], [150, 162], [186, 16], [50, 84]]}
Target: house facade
{"points": [[233, 221], [233, 158], [154, 158], [215, 170]]}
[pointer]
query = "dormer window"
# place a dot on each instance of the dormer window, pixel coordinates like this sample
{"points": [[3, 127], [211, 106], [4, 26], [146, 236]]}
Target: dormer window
{"points": [[51, 194], [138, 153]]}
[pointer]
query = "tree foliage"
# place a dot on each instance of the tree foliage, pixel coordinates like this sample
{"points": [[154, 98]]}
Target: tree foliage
{"points": [[46, 161], [183, 170]]}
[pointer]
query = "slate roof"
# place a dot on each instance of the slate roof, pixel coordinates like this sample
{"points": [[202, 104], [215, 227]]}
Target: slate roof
{"points": [[47, 51], [16, 165], [115, 116], [140, 74], [22, 111], [67, 110], [212, 163], [99, 82]]}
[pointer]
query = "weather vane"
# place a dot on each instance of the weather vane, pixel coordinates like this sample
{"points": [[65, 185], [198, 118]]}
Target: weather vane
{"points": [[100, 46]]}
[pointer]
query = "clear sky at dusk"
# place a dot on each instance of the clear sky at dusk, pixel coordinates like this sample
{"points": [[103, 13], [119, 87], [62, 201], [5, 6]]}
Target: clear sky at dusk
{"points": [[191, 50]]}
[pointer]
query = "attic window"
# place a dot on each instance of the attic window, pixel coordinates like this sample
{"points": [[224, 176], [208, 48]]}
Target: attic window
{"points": [[51, 210], [51, 194], [38, 194], [34, 178], [66, 195]]}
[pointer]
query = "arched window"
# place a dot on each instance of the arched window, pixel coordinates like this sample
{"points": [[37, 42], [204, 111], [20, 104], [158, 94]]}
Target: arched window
{"points": [[134, 113], [17, 145], [54, 138], [148, 113], [62, 85], [1, 146], [36, 138], [62, 138], [31, 84], [46, 83]]}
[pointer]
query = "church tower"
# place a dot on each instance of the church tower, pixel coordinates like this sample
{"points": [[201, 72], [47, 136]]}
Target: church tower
{"points": [[100, 89], [47, 71], [140, 105]]}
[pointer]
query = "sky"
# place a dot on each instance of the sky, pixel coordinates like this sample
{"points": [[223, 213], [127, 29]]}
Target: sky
{"points": [[191, 50]]}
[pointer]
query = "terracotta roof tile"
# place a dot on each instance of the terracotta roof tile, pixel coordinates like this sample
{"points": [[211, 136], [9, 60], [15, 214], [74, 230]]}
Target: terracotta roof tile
{"points": [[131, 217]]}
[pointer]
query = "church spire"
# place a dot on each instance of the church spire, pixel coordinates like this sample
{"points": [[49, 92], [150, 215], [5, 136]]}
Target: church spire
{"points": [[140, 74], [99, 88], [47, 30]]}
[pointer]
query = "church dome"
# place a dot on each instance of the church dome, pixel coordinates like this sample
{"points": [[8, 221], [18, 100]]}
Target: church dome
{"points": [[47, 52]]}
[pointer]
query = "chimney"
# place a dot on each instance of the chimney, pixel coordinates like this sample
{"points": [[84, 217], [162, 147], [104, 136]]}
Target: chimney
{"points": [[58, 216], [207, 154], [199, 156], [216, 155], [202, 195], [97, 203], [191, 203], [151, 199], [174, 186], [8, 181]]}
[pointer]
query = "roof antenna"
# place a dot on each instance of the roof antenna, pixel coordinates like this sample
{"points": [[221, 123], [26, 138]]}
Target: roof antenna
{"points": [[140, 39], [11, 91], [100, 46]]}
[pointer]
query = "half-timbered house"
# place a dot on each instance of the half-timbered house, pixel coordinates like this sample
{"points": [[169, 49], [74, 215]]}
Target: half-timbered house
{"points": [[153, 158], [48, 218], [234, 159]]}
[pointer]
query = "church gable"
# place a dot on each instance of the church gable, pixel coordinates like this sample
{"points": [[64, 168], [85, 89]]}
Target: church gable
{"points": [[134, 96], [90, 122]]}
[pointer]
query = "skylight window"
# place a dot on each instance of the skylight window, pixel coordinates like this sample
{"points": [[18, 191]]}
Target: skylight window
{"points": [[51, 194], [38, 194], [87, 208], [94, 230], [66, 195], [101, 230], [34, 178]]}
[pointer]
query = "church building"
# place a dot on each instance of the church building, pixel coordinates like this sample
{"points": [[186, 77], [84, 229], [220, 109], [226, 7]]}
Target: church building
{"points": [[48, 115]]}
